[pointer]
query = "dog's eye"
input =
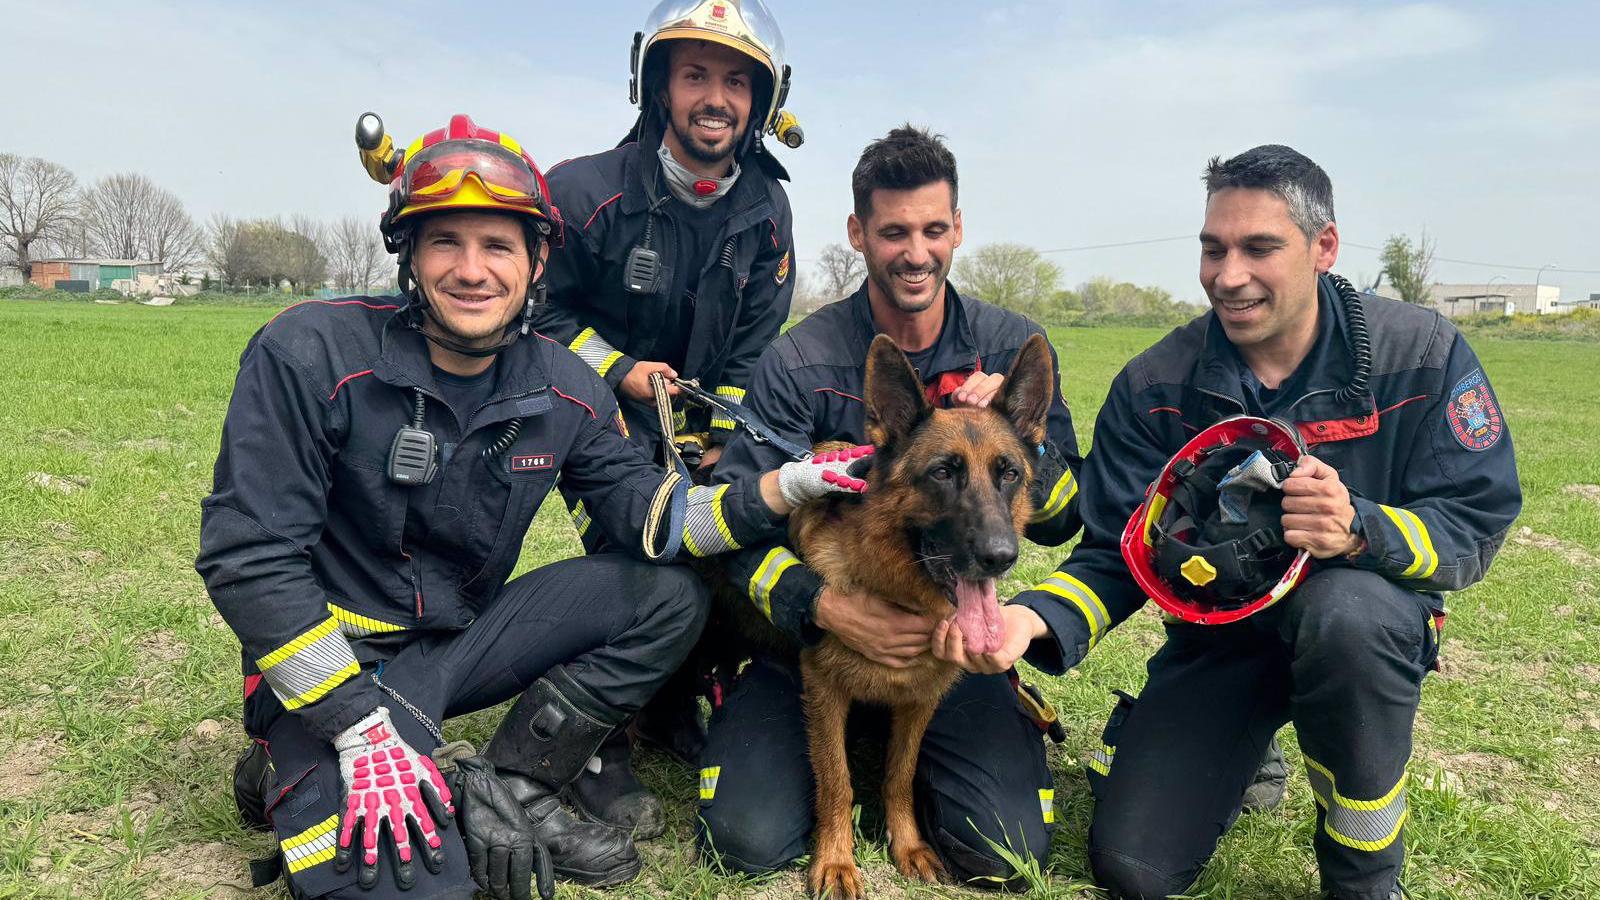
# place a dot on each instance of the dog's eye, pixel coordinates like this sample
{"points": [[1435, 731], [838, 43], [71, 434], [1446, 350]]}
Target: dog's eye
{"points": [[939, 473], [1010, 476]]}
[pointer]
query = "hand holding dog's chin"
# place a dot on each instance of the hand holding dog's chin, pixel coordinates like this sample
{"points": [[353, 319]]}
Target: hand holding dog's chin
{"points": [[1023, 627], [873, 627]]}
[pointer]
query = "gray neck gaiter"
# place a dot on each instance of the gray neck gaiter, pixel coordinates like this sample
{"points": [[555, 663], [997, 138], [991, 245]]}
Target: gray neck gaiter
{"points": [[695, 190]]}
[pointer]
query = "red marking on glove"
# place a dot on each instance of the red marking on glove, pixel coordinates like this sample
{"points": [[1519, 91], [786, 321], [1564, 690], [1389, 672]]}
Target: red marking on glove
{"points": [[377, 734]]}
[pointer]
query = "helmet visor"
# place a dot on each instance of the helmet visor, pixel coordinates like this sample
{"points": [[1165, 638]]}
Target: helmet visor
{"points": [[440, 170]]}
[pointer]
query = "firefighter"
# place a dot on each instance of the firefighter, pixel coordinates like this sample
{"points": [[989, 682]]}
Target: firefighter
{"points": [[381, 461], [678, 260], [1406, 491], [982, 775]]}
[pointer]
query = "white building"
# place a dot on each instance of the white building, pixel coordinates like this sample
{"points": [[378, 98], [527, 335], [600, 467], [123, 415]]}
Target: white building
{"points": [[1472, 298]]}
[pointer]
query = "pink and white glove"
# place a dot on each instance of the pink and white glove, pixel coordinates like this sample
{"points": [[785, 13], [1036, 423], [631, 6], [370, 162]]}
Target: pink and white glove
{"points": [[385, 780], [837, 471]]}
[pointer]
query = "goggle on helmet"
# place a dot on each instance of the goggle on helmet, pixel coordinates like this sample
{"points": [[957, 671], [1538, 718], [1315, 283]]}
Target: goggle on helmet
{"points": [[466, 167], [1207, 542]]}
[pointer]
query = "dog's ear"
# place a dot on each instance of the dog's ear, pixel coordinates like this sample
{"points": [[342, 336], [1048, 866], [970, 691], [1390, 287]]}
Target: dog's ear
{"points": [[895, 401], [1028, 390]]}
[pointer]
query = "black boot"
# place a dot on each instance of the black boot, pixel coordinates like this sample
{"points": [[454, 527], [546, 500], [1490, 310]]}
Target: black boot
{"points": [[253, 779], [672, 719], [613, 796], [538, 750], [1266, 791]]}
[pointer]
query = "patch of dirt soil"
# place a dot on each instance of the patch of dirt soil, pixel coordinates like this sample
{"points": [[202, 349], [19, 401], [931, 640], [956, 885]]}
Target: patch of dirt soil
{"points": [[156, 444], [1567, 550], [214, 868], [25, 767], [1590, 492], [161, 647]]}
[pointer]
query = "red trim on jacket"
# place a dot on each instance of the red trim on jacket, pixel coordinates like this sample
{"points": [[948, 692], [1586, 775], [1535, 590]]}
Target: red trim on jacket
{"points": [[614, 198], [345, 380], [840, 393], [373, 306], [575, 400]]}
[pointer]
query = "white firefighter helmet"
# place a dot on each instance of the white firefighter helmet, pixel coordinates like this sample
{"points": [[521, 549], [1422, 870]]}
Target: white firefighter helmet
{"points": [[744, 25]]}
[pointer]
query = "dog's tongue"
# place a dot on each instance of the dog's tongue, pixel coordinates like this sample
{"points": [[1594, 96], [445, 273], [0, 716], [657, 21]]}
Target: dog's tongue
{"points": [[978, 616]]}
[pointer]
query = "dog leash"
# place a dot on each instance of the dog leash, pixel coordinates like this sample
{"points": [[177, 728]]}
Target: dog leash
{"points": [[740, 415], [672, 497]]}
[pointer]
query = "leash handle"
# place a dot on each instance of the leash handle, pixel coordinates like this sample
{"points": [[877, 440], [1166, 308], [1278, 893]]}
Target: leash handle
{"points": [[671, 500], [743, 417]]}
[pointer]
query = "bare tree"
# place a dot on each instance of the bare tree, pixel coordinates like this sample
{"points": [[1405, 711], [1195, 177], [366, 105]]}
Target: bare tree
{"points": [[305, 261], [842, 269], [1014, 276], [131, 217], [1409, 267], [38, 201], [225, 248], [355, 255]]}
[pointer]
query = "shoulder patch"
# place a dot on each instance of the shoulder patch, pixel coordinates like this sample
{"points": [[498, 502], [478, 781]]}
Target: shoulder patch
{"points": [[783, 268], [1474, 414]]}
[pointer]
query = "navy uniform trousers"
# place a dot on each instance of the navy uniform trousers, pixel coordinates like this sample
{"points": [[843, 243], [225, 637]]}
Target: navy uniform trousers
{"points": [[1343, 658], [619, 626], [981, 773]]}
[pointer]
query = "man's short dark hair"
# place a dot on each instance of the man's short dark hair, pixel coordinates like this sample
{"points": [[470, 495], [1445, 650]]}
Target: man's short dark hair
{"points": [[904, 159], [1283, 172]]}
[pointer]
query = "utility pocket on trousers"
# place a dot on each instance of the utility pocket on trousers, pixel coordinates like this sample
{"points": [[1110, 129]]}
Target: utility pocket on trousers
{"points": [[1101, 758]]}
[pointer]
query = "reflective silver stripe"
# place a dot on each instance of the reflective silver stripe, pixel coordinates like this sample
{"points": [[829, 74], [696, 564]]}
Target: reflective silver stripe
{"points": [[734, 394], [580, 518], [593, 349], [1081, 596], [1061, 494], [312, 846], [1047, 805], [1370, 825], [303, 670], [708, 782], [705, 529], [353, 624], [777, 561], [1101, 760], [1424, 559]]}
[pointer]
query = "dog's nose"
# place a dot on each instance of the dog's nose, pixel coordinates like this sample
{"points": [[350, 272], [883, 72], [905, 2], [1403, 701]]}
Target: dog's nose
{"points": [[997, 554]]}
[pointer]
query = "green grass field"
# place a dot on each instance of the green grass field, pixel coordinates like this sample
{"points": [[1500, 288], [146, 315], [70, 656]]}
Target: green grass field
{"points": [[119, 684]]}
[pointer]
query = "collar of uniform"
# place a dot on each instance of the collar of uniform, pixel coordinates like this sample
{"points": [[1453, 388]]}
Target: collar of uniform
{"points": [[1327, 367], [641, 186], [954, 349], [404, 362]]}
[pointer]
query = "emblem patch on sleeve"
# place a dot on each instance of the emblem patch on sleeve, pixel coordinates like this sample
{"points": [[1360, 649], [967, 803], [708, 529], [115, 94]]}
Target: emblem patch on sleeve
{"points": [[1474, 414], [783, 268]]}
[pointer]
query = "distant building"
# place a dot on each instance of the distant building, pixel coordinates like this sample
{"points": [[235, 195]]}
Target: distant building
{"points": [[1592, 303], [93, 274], [1457, 300]]}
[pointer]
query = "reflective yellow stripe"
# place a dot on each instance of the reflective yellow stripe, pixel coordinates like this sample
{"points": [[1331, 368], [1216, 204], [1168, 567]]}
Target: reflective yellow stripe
{"points": [[1370, 825], [1047, 804], [721, 519], [580, 517], [731, 392], [777, 561], [354, 624], [1101, 760], [723, 422], [708, 782], [1424, 559], [298, 644], [581, 339], [1081, 596], [1065, 489], [608, 362], [310, 847]]}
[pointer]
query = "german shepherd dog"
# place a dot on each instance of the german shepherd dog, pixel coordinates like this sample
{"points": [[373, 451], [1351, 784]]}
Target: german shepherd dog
{"points": [[947, 500]]}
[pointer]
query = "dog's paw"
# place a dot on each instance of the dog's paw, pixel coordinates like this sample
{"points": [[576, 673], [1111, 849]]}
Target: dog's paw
{"points": [[836, 880], [919, 862]]}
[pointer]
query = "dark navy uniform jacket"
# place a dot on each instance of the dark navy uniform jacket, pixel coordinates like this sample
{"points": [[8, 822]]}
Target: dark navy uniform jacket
{"points": [[1427, 457], [744, 284], [305, 542], [808, 388]]}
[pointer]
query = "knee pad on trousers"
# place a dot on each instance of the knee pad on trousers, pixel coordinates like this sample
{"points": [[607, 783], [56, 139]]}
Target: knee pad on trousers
{"points": [[749, 847], [976, 867], [1126, 878], [1339, 619]]}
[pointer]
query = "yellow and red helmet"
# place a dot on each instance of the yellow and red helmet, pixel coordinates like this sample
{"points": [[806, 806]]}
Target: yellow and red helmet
{"points": [[466, 167], [1207, 542]]}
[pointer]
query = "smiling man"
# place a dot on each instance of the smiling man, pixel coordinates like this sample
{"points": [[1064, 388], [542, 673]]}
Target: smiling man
{"points": [[678, 259], [381, 461], [982, 775], [1397, 500]]}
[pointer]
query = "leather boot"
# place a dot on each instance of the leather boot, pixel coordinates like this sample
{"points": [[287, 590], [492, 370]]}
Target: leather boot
{"points": [[613, 796], [1266, 791], [252, 780], [540, 747]]}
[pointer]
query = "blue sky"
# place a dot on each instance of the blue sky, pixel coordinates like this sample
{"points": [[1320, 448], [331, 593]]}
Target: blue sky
{"points": [[1074, 123]]}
